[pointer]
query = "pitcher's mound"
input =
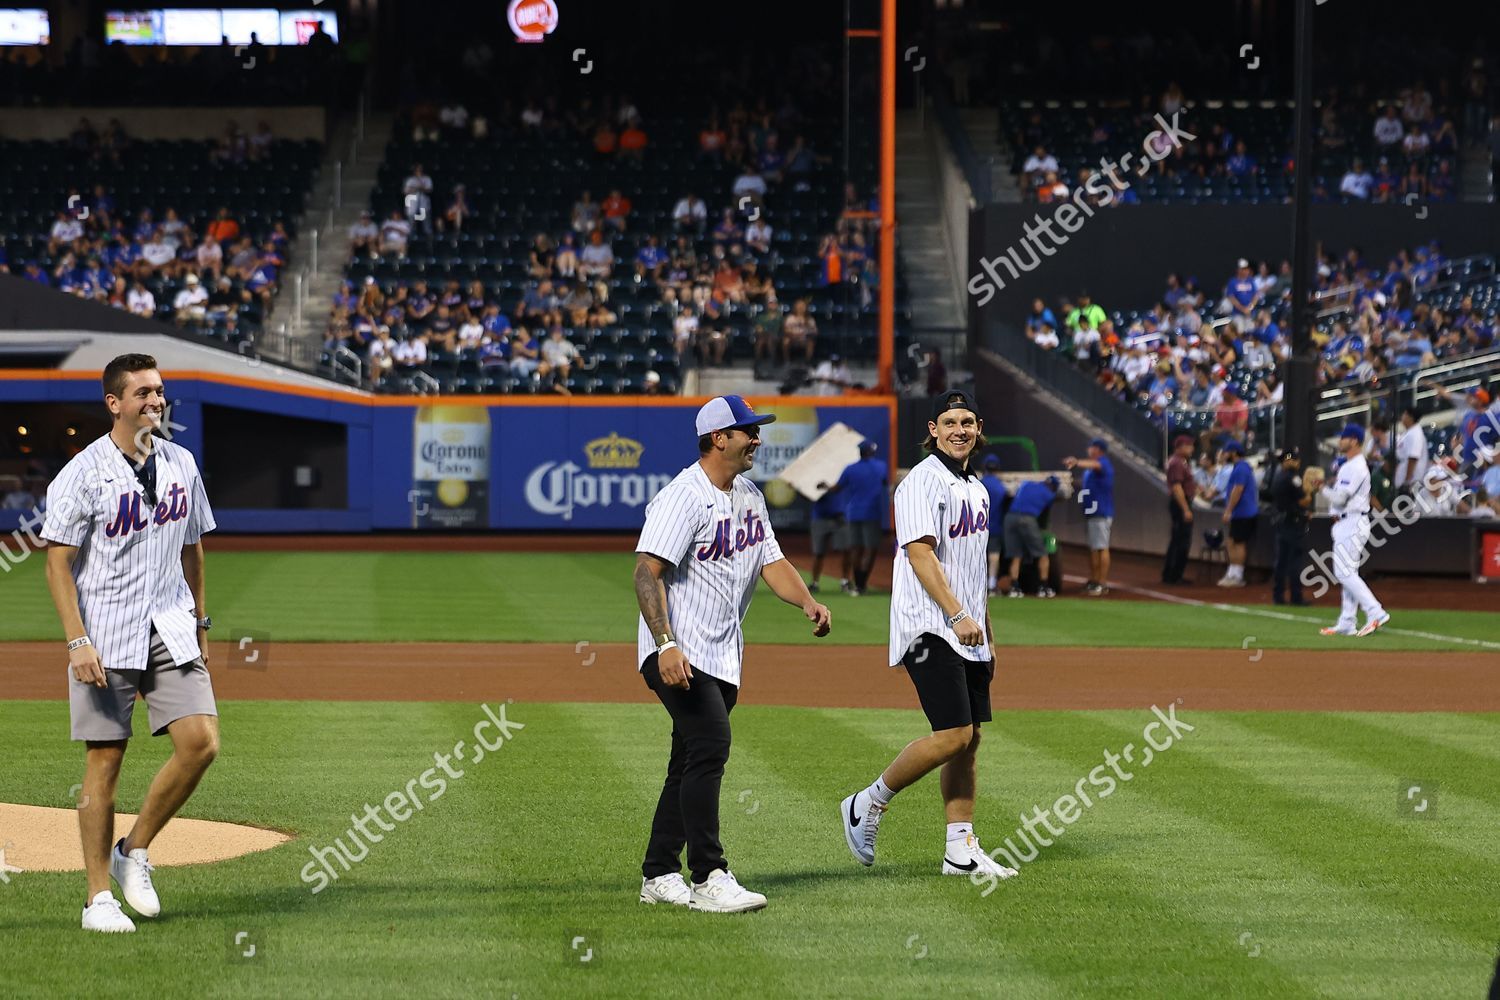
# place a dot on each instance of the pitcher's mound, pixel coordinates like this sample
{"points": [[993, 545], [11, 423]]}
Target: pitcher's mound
{"points": [[42, 839]]}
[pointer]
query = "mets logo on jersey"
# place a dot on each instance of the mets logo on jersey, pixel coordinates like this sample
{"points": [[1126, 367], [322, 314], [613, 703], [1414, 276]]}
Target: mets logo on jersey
{"points": [[727, 541], [130, 516], [970, 521]]}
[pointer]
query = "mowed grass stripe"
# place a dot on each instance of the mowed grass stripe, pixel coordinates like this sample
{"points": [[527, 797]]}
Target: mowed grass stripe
{"points": [[1471, 735], [569, 597], [1281, 785], [1090, 897], [777, 841], [1217, 834]]}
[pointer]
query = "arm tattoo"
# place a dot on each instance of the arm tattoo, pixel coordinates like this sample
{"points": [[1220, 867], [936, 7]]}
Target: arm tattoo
{"points": [[651, 595]]}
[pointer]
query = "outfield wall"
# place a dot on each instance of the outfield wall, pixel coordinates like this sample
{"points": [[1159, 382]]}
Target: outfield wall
{"points": [[279, 458]]}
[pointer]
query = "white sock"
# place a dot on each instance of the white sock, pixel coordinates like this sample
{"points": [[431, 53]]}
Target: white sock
{"points": [[994, 580], [960, 831], [1236, 572], [880, 793]]}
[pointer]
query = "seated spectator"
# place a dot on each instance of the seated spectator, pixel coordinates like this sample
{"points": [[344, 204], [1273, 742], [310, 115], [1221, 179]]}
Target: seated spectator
{"points": [[420, 305], [416, 194], [1357, 182], [208, 257], [1241, 165], [684, 329], [158, 254], [597, 259], [1038, 165], [1051, 190], [767, 331], [616, 210], [711, 141], [831, 258], [749, 184], [364, 236], [1388, 130], [494, 352], [690, 214], [799, 332], [1413, 186], [64, 231], [633, 141], [586, 214], [190, 304], [606, 139], [651, 258], [727, 230], [771, 161], [729, 281], [1416, 143], [225, 300], [542, 257], [457, 212], [758, 236], [263, 278], [139, 301], [1442, 185], [831, 377], [411, 353], [441, 330], [394, 234], [1385, 183], [525, 354], [224, 229]]}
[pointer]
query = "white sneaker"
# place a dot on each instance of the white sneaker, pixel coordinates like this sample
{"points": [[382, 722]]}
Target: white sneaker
{"points": [[1372, 626], [103, 914], [1015, 592], [1046, 592], [721, 892], [860, 816], [1337, 630], [968, 858], [133, 873], [671, 888], [1232, 581]]}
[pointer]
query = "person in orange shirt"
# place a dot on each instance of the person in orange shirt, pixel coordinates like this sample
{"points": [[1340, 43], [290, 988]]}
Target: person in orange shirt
{"points": [[833, 261], [223, 229], [616, 209], [605, 139], [633, 140]]}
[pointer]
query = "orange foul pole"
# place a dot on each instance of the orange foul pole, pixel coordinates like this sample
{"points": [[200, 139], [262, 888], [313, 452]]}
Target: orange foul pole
{"points": [[887, 193]]}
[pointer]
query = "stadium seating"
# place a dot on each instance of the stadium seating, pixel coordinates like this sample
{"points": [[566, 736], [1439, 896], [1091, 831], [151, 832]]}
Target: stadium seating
{"points": [[36, 176], [521, 183], [1079, 133]]}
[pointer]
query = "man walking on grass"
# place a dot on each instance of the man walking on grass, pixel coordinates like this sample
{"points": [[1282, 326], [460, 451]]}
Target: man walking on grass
{"points": [[125, 522], [940, 632]]}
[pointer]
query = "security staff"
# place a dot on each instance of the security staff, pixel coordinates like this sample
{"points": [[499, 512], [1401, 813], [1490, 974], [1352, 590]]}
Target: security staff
{"points": [[1291, 504]]}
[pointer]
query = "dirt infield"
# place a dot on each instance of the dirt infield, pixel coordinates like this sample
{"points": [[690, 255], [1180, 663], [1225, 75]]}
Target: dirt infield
{"points": [[46, 839], [1144, 572], [832, 676]]}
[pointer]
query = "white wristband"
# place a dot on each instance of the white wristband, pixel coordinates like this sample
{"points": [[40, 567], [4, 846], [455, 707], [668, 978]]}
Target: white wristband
{"points": [[669, 644], [962, 614], [82, 640]]}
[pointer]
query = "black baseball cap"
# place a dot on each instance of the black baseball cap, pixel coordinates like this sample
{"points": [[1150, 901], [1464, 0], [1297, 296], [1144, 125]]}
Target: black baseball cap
{"points": [[1286, 453], [954, 399]]}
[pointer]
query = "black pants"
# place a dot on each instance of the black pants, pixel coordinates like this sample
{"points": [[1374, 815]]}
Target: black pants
{"points": [[1178, 547], [688, 810], [1289, 553]]}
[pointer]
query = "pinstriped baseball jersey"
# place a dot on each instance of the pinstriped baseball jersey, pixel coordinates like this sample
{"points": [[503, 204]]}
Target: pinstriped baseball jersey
{"points": [[718, 542], [955, 510], [129, 565]]}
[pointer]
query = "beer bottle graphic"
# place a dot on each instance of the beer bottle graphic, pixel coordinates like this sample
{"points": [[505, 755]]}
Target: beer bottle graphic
{"points": [[451, 467]]}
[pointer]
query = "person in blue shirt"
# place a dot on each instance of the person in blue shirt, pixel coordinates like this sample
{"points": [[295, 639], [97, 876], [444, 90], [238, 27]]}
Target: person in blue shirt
{"points": [[863, 487], [1241, 510], [998, 495], [829, 530], [1023, 532], [1097, 498], [1243, 298]]}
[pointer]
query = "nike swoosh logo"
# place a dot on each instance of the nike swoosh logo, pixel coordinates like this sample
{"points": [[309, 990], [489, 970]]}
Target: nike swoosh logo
{"points": [[852, 820], [971, 866]]}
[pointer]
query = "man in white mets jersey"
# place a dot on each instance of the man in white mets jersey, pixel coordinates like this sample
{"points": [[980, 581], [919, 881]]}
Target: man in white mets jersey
{"points": [[125, 567], [1349, 505], [940, 632], [707, 540]]}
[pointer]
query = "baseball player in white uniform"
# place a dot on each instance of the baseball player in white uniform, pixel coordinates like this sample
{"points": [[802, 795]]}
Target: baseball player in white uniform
{"points": [[1349, 504], [125, 568], [940, 632], [706, 541]]}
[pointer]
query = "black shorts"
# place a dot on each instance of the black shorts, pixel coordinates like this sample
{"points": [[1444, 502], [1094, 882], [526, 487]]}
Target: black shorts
{"points": [[954, 691], [1241, 529], [996, 545]]}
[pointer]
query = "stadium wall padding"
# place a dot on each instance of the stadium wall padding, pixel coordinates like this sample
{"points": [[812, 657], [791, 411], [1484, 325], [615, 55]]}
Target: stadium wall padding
{"points": [[509, 463]]}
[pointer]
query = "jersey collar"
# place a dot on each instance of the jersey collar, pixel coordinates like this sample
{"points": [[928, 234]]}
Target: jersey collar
{"points": [[954, 467]]}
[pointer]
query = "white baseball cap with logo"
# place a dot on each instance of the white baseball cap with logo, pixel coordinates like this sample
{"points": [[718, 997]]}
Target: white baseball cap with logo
{"points": [[724, 412]]}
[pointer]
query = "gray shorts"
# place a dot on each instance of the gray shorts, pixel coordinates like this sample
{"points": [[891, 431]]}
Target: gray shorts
{"points": [[865, 534], [1098, 528], [172, 692], [828, 532], [1023, 537]]}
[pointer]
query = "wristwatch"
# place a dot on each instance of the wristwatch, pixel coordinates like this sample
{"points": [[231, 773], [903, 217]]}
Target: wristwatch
{"points": [[205, 623], [663, 639]]}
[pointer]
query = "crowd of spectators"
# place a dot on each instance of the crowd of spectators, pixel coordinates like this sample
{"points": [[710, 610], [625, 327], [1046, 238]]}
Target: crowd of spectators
{"points": [[202, 273], [710, 270], [1221, 356], [1411, 143]]}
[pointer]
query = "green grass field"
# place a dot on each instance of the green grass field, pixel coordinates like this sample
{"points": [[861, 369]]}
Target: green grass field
{"points": [[540, 597], [1264, 855]]}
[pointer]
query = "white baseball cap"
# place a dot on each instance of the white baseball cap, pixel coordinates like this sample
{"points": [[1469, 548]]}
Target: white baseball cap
{"points": [[723, 412]]}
